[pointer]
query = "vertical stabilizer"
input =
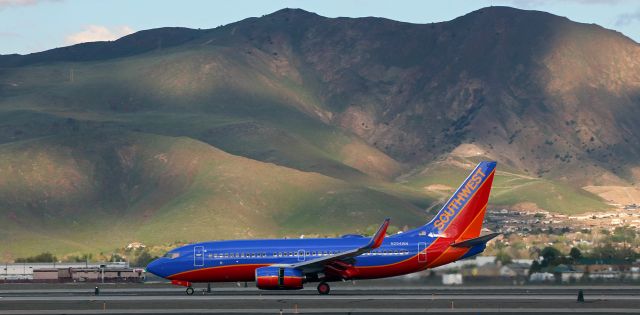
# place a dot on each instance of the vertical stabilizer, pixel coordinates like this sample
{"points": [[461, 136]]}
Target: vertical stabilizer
{"points": [[462, 215]]}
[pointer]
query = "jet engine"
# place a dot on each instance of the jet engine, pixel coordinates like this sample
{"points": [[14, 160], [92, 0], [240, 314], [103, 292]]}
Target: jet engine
{"points": [[279, 278]]}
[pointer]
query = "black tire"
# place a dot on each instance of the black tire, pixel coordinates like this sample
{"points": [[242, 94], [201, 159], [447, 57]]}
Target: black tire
{"points": [[324, 288], [190, 291]]}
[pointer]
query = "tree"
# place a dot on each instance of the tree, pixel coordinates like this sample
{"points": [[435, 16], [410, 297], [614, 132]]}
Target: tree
{"points": [[550, 256], [115, 257], [535, 267], [143, 259], [623, 234], [503, 258], [43, 257], [575, 253]]}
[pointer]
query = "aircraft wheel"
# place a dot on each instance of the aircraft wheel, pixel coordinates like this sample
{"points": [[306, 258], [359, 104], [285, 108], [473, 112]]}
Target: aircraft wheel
{"points": [[189, 291], [323, 288]]}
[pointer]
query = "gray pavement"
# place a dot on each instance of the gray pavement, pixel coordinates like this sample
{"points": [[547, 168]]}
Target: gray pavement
{"points": [[344, 299]]}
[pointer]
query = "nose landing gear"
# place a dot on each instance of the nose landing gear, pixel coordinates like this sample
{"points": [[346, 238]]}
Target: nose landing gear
{"points": [[323, 288], [189, 291]]}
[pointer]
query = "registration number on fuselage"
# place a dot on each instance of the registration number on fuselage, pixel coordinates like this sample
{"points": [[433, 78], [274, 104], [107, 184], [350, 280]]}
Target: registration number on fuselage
{"points": [[399, 243]]}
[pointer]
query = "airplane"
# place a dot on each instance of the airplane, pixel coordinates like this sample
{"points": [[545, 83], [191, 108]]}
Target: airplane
{"points": [[287, 264]]}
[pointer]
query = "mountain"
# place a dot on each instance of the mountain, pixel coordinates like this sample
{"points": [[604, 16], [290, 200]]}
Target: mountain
{"points": [[326, 125]]}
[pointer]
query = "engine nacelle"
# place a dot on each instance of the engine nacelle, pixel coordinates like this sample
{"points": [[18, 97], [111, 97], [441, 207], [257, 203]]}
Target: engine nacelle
{"points": [[279, 278]]}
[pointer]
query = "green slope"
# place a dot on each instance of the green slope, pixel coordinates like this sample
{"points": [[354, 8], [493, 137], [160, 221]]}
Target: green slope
{"points": [[100, 191], [510, 188]]}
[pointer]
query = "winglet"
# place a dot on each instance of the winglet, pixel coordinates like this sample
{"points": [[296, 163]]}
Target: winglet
{"points": [[376, 240]]}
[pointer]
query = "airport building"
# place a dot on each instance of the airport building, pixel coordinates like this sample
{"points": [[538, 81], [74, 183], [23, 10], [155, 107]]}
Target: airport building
{"points": [[71, 272]]}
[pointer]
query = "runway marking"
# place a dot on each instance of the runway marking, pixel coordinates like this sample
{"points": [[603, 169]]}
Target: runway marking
{"points": [[334, 310], [520, 297], [106, 289]]}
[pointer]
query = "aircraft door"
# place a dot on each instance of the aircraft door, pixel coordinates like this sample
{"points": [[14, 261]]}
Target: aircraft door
{"points": [[198, 256], [301, 255], [422, 252], [281, 276]]}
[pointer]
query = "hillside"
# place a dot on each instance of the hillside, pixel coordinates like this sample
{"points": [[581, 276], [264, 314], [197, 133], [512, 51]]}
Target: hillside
{"points": [[329, 125], [86, 193]]}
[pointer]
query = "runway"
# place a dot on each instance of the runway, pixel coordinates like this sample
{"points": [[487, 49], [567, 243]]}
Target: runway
{"points": [[344, 299]]}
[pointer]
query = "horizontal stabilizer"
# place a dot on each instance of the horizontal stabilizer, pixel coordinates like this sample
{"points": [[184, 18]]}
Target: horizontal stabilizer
{"points": [[476, 241]]}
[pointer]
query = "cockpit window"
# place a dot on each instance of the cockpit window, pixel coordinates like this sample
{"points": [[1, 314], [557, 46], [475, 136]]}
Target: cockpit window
{"points": [[173, 255]]}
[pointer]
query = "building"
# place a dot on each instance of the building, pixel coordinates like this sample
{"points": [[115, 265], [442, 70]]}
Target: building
{"points": [[541, 277], [45, 275], [452, 279], [105, 274], [63, 271]]}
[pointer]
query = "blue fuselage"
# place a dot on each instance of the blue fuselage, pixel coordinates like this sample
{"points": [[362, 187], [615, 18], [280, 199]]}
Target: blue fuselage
{"points": [[237, 260]]}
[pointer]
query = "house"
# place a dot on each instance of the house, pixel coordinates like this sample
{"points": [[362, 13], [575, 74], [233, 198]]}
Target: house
{"points": [[541, 277], [519, 269], [452, 279], [568, 273], [506, 271], [596, 265]]}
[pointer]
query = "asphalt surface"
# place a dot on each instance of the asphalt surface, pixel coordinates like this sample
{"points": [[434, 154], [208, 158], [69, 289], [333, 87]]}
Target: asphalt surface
{"points": [[344, 299]]}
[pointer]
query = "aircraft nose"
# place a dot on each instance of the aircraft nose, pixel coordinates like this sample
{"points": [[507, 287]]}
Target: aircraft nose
{"points": [[155, 267]]}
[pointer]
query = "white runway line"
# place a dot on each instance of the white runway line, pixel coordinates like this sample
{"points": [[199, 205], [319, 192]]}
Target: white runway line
{"points": [[198, 286], [332, 310], [519, 297]]}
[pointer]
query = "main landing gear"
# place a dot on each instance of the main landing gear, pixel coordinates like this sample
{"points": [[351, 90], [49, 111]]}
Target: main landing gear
{"points": [[189, 291], [323, 288]]}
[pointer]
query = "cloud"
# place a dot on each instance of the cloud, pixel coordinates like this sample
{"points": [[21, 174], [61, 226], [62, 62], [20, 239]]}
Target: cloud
{"points": [[535, 3], [94, 33], [596, 1], [22, 3], [8, 34], [628, 18]]}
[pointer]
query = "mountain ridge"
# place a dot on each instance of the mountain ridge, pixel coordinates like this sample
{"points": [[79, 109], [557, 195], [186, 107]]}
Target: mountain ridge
{"points": [[390, 113]]}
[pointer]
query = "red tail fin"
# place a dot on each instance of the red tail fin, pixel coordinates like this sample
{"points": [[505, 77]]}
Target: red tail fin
{"points": [[462, 215]]}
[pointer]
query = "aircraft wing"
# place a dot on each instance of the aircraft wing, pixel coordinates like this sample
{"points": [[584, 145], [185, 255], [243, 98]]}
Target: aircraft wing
{"points": [[319, 263]]}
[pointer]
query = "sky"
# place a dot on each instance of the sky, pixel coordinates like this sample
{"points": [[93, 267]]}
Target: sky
{"points": [[28, 26]]}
